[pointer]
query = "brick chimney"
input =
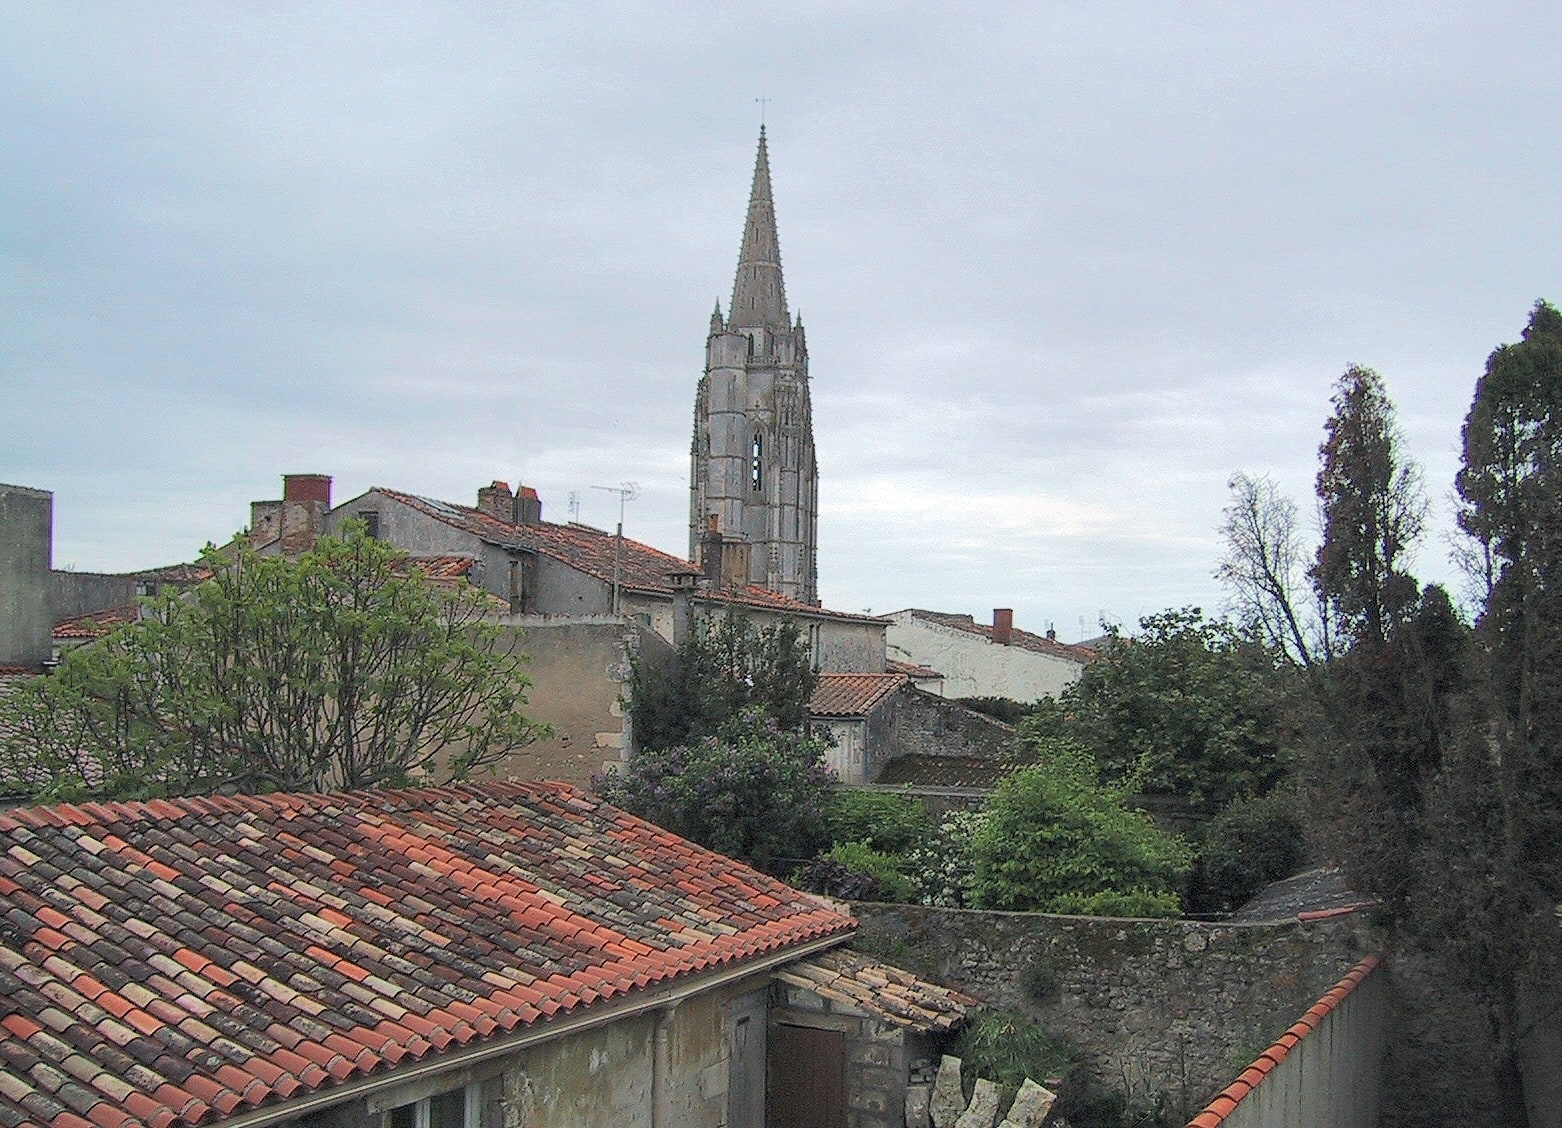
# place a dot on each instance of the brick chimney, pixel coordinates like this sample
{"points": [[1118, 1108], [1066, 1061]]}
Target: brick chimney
{"points": [[1003, 625], [498, 502], [306, 498]]}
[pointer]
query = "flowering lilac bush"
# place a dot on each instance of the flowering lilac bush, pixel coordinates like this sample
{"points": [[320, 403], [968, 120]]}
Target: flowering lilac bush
{"points": [[752, 791]]}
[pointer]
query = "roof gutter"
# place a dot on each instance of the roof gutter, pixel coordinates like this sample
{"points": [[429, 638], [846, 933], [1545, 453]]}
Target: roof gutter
{"points": [[587, 1018]]}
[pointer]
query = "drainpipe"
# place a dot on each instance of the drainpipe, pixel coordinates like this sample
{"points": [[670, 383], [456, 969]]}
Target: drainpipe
{"points": [[661, 1070]]}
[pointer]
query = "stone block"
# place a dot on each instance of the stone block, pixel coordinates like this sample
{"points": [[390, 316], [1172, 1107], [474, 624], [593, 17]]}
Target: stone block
{"points": [[948, 1098], [1030, 1107], [919, 1098], [867, 1053], [982, 1112]]}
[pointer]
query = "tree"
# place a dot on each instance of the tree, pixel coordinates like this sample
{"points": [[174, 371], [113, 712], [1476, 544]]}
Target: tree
{"points": [[1189, 708], [343, 669], [1494, 820], [1372, 508], [1263, 567], [754, 790], [724, 666], [1056, 840]]}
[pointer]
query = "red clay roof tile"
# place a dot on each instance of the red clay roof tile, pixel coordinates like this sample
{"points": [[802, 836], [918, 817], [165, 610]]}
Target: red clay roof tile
{"points": [[241, 963]]}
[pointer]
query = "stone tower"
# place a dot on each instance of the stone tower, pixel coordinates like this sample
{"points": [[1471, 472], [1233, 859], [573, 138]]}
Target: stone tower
{"points": [[754, 486]]}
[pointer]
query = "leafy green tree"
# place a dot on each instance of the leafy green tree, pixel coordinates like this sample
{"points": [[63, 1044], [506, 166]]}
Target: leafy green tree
{"points": [[1056, 840], [1190, 708], [754, 790], [724, 666], [1252, 842], [342, 669], [1372, 507], [1490, 872]]}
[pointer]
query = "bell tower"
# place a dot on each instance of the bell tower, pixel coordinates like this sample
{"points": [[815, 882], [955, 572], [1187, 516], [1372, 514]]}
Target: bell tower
{"points": [[754, 481]]}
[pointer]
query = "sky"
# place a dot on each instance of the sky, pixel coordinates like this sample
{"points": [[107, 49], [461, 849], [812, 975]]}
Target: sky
{"points": [[1065, 267]]}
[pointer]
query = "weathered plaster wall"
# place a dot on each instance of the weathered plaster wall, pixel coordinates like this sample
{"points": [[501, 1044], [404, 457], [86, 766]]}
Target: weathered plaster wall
{"points": [[79, 593], [850, 647], [1331, 1077], [597, 1078], [26, 541], [1161, 1010], [579, 670], [975, 667]]}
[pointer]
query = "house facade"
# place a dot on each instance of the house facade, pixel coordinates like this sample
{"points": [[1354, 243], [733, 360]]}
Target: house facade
{"points": [[994, 659], [485, 956], [580, 602]]}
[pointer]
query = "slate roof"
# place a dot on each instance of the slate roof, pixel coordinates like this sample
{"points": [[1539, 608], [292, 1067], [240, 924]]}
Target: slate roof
{"points": [[970, 772], [1313, 894], [178, 961], [853, 695], [887, 993], [1024, 640], [641, 568]]}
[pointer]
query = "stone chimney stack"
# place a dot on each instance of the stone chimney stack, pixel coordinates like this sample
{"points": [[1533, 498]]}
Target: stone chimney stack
{"points": [[528, 506], [498, 502], [1003, 625], [306, 498], [723, 559]]}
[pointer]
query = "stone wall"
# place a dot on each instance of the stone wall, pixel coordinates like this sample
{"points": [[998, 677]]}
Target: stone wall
{"points": [[934, 726], [1164, 1012]]}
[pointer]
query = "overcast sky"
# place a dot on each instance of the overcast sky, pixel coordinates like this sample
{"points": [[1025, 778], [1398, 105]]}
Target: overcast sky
{"points": [[1065, 268]]}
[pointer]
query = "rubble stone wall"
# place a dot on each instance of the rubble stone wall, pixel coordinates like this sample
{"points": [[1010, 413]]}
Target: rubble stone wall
{"points": [[1165, 1012]]}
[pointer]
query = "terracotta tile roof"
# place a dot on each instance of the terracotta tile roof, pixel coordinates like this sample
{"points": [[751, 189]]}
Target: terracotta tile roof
{"points": [[181, 575], [174, 962], [974, 772], [96, 624], [1024, 640], [1220, 1109], [853, 695], [641, 568], [878, 989], [911, 669]]}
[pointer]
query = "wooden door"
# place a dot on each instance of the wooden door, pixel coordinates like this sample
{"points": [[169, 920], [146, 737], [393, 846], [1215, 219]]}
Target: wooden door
{"points": [[807, 1077]]}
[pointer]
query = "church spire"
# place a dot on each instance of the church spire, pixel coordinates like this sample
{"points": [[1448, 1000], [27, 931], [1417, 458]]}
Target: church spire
{"points": [[758, 294]]}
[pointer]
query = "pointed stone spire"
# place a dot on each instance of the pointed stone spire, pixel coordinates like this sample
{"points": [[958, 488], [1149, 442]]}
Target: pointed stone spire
{"points": [[758, 295], [717, 325]]}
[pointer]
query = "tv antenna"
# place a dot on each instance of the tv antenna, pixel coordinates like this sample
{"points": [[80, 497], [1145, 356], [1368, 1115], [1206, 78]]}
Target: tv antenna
{"points": [[627, 492]]}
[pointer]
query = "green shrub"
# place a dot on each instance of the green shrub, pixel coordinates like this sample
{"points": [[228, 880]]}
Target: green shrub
{"points": [[1249, 844], [886, 820], [942, 865], [1053, 832], [887, 870], [1134, 903], [1006, 1047]]}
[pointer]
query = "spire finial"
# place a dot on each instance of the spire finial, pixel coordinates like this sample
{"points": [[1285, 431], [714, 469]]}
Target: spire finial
{"points": [[763, 102], [758, 294]]}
